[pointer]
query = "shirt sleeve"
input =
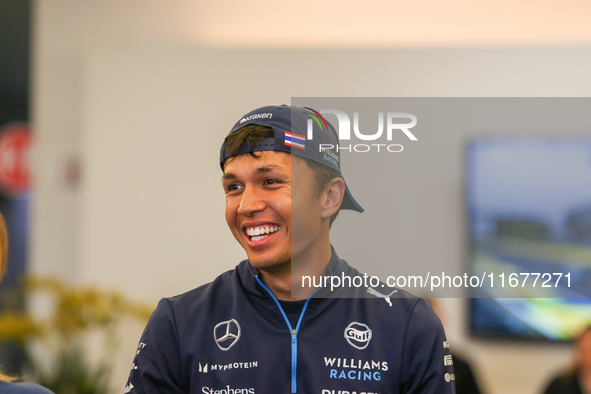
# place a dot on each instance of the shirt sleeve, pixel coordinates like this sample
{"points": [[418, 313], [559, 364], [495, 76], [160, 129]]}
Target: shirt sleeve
{"points": [[157, 364], [23, 388], [427, 362]]}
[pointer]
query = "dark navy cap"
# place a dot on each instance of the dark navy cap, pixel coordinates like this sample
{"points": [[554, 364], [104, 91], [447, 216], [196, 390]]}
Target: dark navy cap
{"points": [[300, 131]]}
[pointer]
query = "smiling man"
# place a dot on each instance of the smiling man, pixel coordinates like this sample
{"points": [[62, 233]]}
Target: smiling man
{"points": [[260, 199], [257, 329]]}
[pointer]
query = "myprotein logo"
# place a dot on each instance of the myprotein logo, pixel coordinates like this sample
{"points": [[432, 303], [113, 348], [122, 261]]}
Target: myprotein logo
{"points": [[206, 367], [358, 335], [389, 124], [226, 334]]}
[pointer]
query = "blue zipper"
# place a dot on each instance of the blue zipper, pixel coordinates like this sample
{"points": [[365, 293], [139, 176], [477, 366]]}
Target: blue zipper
{"points": [[294, 333]]}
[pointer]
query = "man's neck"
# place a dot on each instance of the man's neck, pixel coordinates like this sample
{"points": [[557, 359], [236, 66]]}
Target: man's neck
{"points": [[287, 284], [278, 283]]}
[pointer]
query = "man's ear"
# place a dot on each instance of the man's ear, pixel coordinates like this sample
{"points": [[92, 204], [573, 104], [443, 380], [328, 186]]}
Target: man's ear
{"points": [[333, 196]]}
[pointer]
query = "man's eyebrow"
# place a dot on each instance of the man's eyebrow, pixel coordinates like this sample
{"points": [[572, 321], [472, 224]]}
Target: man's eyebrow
{"points": [[268, 168], [260, 170], [228, 175]]}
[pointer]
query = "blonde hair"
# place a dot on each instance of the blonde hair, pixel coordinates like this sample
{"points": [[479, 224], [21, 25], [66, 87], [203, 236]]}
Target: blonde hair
{"points": [[3, 261]]}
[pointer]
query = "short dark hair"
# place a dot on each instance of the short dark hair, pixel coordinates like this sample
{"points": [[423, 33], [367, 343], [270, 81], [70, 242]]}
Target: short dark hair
{"points": [[253, 134]]}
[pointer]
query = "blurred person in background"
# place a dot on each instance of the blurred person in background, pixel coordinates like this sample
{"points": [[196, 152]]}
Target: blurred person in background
{"points": [[576, 380], [8, 384]]}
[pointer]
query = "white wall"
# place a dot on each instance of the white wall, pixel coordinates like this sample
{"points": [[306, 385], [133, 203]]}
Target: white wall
{"points": [[140, 93]]}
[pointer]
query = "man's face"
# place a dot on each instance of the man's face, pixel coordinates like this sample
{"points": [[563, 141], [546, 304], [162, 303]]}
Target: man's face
{"points": [[259, 201]]}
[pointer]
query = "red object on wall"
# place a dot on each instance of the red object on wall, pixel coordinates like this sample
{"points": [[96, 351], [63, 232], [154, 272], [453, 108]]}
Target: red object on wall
{"points": [[15, 145]]}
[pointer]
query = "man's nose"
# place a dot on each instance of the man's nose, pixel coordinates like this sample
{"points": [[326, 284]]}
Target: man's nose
{"points": [[252, 201]]}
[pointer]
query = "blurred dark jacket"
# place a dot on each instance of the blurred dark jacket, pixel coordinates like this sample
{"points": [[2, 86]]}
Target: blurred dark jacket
{"points": [[465, 380], [566, 383]]}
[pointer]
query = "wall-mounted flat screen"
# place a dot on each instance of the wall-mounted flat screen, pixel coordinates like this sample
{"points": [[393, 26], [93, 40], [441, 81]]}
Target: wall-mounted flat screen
{"points": [[529, 211]]}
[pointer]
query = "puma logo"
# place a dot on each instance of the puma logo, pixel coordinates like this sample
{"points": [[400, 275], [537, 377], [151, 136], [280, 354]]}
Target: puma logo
{"points": [[374, 292]]}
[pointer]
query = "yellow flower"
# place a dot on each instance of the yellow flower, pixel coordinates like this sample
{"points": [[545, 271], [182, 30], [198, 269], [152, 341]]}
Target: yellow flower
{"points": [[17, 327]]}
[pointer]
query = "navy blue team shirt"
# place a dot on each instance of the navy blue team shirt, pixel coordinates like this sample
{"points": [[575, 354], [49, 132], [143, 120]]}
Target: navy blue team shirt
{"points": [[231, 336]]}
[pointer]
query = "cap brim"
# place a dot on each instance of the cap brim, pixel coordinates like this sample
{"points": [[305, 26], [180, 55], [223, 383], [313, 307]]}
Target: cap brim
{"points": [[348, 200]]}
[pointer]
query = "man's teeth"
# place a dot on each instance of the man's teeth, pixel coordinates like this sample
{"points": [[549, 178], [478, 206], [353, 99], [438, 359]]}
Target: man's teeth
{"points": [[257, 233], [257, 237]]}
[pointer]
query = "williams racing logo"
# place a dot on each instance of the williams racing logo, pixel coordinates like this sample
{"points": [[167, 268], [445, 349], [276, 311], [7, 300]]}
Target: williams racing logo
{"points": [[355, 369], [358, 335]]}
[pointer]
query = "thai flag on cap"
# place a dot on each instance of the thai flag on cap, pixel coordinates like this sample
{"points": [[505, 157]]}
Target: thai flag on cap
{"points": [[295, 140]]}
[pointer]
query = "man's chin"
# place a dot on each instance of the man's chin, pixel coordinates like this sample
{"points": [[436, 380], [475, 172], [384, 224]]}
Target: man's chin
{"points": [[271, 266]]}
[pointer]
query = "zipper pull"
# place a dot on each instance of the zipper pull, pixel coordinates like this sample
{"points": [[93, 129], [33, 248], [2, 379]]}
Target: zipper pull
{"points": [[293, 333]]}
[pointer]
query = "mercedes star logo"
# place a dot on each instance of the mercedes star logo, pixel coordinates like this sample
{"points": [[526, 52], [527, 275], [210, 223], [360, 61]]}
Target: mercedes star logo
{"points": [[226, 334]]}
